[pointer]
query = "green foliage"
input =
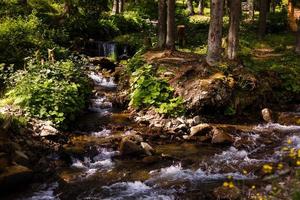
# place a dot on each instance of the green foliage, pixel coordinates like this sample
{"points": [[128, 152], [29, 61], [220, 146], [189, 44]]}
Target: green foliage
{"points": [[15, 122], [277, 22], [52, 91], [18, 37], [135, 62], [230, 111], [147, 90]]}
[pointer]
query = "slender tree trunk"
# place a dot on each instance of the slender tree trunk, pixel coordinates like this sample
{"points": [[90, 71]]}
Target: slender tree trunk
{"points": [[170, 42], [251, 9], [226, 7], [162, 23], [273, 6], [121, 6], [262, 18], [115, 9], [291, 16], [190, 7], [234, 26], [298, 39], [214, 49], [201, 7]]}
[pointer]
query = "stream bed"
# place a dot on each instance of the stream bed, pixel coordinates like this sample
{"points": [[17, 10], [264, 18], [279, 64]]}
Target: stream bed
{"points": [[182, 169]]}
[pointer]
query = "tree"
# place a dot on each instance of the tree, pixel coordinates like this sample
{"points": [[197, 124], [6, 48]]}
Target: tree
{"points": [[115, 9], [190, 7], [298, 39], [170, 42], [201, 7], [162, 23], [234, 25], [291, 16], [263, 9], [214, 49], [250, 9], [121, 6]]}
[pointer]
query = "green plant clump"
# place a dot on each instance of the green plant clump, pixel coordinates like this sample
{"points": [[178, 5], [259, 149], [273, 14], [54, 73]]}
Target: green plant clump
{"points": [[147, 90], [52, 91]]}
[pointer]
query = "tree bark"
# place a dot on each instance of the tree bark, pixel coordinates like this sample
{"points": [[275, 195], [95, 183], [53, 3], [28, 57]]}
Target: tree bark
{"points": [[121, 6], [170, 42], [297, 49], [291, 16], [251, 9], [115, 9], [162, 23], [201, 7], [262, 18], [190, 7], [234, 26], [214, 49]]}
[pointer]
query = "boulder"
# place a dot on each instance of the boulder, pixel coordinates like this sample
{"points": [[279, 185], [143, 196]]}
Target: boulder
{"points": [[147, 148], [200, 129], [103, 62], [129, 147], [21, 158], [219, 136], [267, 115], [13, 176]]}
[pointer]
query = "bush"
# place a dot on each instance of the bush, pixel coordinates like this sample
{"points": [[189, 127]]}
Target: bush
{"points": [[52, 91], [18, 37], [147, 90]]}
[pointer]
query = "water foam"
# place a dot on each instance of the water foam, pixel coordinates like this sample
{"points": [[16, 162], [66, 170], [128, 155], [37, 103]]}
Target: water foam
{"points": [[102, 81]]}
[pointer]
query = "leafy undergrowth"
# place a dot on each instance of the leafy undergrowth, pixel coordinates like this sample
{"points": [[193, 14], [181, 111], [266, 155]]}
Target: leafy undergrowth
{"points": [[148, 90], [54, 91]]}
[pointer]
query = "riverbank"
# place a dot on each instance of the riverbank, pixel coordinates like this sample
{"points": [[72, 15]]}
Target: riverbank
{"points": [[127, 156]]}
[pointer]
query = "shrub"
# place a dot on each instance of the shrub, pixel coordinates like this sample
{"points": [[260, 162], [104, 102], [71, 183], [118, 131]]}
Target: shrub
{"points": [[147, 90], [18, 37], [52, 91]]}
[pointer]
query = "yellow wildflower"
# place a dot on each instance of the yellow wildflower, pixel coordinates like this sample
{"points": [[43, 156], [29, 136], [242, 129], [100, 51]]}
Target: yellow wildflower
{"points": [[253, 187], [267, 168], [231, 185], [280, 166], [225, 184], [289, 141], [298, 163]]}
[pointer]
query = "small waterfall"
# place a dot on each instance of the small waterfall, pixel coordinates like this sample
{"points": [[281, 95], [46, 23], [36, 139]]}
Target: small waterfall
{"points": [[107, 49]]}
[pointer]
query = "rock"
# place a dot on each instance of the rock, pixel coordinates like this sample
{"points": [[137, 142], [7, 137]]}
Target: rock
{"points": [[220, 137], [129, 147], [200, 129], [14, 175], [21, 158], [103, 62], [151, 159], [147, 148], [48, 130], [267, 115], [4, 162], [182, 127], [196, 120], [227, 193]]}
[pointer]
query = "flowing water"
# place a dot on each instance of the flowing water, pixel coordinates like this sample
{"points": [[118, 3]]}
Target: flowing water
{"points": [[185, 170]]}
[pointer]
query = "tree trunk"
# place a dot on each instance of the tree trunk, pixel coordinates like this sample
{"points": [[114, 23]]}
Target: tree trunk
{"points": [[170, 43], [298, 39], [291, 16], [262, 18], [190, 7], [162, 23], [121, 6], [214, 49], [201, 7], [234, 25], [115, 9], [251, 9]]}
